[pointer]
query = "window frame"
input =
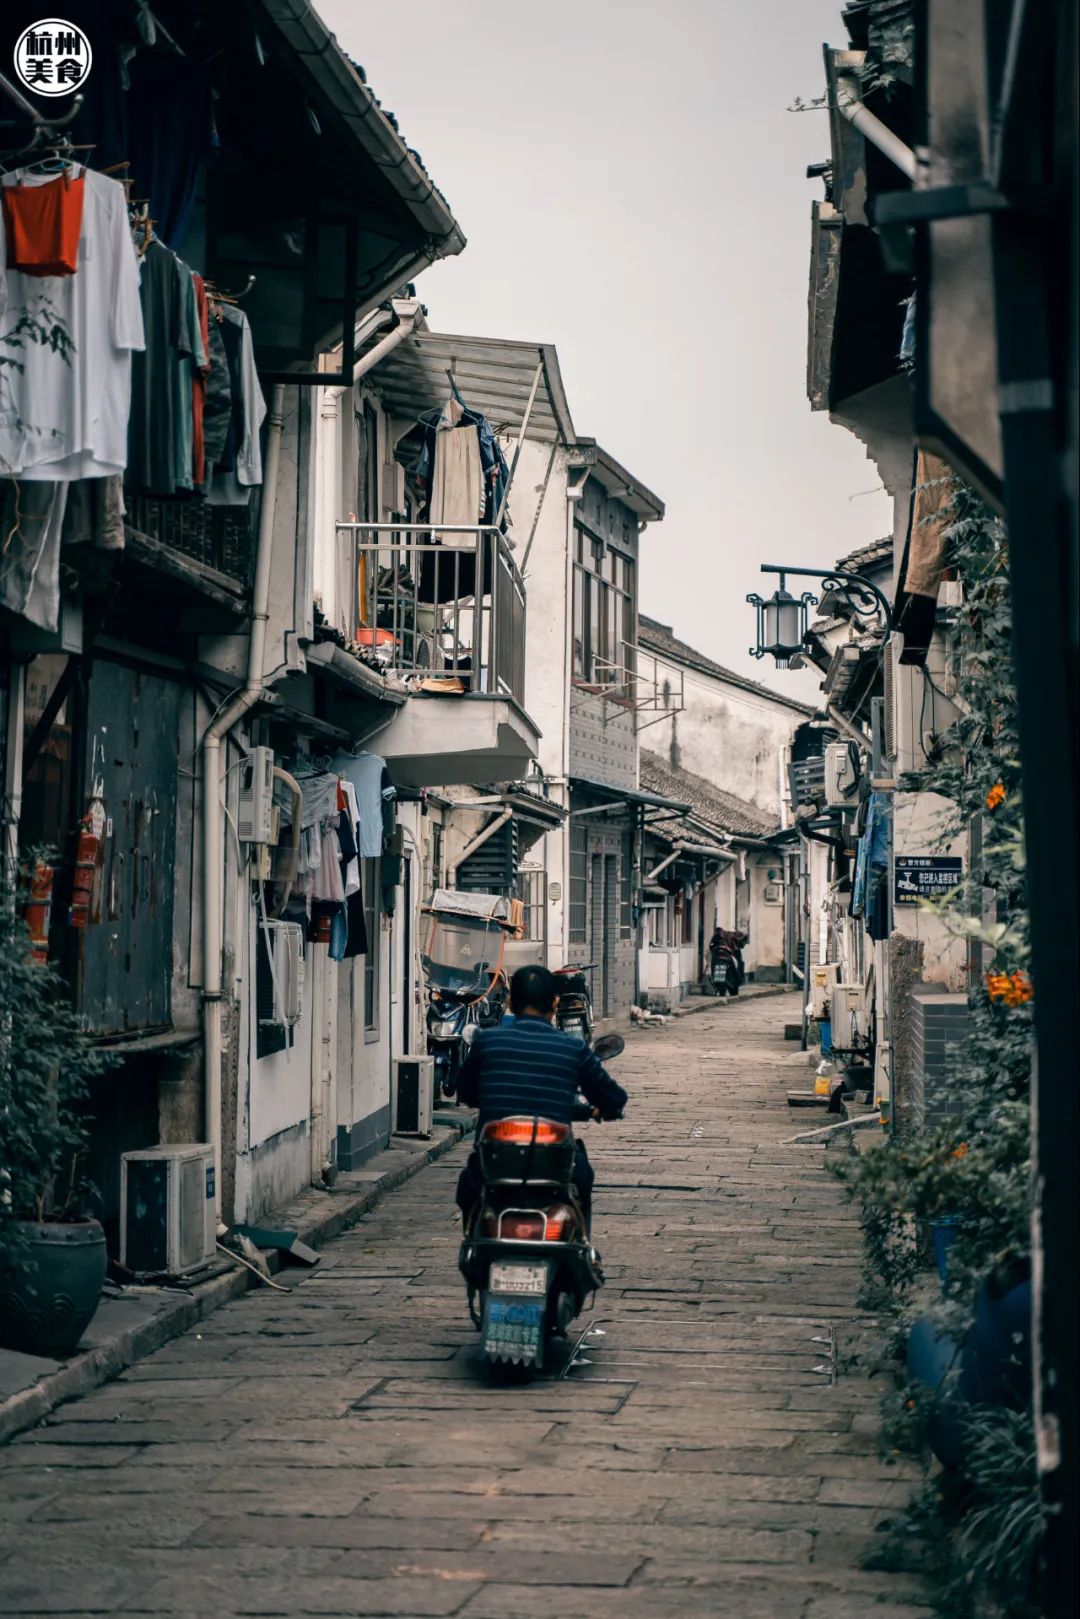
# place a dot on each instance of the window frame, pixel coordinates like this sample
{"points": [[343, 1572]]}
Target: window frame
{"points": [[603, 610]]}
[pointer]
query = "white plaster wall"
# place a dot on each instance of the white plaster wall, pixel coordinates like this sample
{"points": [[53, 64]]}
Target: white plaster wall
{"points": [[546, 595], [728, 736], [765, 947]]}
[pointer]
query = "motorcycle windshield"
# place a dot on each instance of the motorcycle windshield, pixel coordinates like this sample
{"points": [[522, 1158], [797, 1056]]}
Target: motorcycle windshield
{"points": [[462, 953]]}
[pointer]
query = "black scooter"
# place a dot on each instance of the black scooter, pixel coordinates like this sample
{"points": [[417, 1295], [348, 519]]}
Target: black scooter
{"points": [[527, 1255], [574, 1013], [725, 970]]}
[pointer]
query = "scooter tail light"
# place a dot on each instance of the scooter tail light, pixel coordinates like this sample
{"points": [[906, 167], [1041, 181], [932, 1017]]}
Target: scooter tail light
{"points": [[526, 1132], [560, 1224], [522, 1227]]}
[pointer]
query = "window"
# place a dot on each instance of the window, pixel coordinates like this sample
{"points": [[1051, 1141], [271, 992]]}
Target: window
{"points": [[373, 929], [579, 884], [605, 613], [626, 904], [531, 890]]}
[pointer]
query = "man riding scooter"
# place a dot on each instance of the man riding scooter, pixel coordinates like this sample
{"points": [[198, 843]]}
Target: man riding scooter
{"points": [[531, 1068]]}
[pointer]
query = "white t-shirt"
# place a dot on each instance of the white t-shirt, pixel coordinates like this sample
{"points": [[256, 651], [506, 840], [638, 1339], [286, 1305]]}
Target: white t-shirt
{"points": [[65, 419]]}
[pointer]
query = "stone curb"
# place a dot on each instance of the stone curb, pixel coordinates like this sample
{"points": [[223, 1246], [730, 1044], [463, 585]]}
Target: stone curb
{"points": [[713, 1003], [97, 1366]]}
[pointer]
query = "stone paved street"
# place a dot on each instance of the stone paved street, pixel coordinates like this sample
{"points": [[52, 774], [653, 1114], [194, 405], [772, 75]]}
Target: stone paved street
{"points": [[338, 1451]]}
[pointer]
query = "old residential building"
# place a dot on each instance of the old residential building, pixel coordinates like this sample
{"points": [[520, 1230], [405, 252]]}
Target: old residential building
{"points": [[170, 646]]}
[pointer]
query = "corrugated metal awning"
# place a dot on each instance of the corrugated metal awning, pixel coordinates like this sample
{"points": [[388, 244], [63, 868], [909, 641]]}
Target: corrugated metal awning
{"points": [[495, 377], [628, 795]]}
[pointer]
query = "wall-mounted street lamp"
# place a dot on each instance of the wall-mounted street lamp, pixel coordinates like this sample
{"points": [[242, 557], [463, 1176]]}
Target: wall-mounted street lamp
{"points": [[781, 621]]}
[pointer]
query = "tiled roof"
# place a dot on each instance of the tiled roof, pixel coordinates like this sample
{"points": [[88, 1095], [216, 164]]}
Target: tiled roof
{"points": [[658, 638], [712, 805], [873, 555]]}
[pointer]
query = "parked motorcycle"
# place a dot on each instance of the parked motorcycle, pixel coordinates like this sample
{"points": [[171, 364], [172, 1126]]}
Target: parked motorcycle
{"points": [[467, 987], [574, 1013], [527, 1257], [453, 1017]]}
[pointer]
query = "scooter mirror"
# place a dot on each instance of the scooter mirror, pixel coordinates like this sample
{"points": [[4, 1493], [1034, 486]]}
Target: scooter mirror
{"points": [[608, 1046]]}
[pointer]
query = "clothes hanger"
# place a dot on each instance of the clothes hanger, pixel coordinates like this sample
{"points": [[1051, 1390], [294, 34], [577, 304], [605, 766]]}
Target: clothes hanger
{"points": [[219, 295]]}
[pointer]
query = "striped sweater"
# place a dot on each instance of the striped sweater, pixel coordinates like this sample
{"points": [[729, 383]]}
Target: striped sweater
{"points": [[530, 1067]]}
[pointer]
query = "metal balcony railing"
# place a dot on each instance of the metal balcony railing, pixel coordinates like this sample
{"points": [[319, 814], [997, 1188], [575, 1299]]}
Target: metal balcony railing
{"points": [[440, 605]]}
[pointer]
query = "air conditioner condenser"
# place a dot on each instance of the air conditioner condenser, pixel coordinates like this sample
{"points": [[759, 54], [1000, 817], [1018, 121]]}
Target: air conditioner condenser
{"points": [[168, 1220], [850, 1019], [414, 1095]]}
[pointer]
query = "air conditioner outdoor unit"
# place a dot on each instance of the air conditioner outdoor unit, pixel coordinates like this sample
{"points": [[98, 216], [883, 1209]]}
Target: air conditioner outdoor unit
{"points": [[822, 981], [281, 997], [414, 1087], [168, 1225], [254, 811], [841, 774], [918, 704], [850, 1023]]}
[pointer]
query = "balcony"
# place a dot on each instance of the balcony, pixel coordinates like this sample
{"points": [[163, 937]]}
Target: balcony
{"points": [[443, 611], [441, 608], [210, 550]]}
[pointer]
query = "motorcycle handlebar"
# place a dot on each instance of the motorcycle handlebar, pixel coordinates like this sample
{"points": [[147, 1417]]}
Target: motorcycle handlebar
{"points": [[582, 1113]]}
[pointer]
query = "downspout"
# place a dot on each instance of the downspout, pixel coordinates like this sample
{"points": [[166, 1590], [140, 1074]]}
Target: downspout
{"points": [[477, 843], [850, 104], [409, 313], [213, 874], [651, 876]]}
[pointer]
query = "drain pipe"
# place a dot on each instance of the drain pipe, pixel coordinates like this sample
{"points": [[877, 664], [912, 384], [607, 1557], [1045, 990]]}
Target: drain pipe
{"points": [[409, 312], [478, 842], [213, 874], [850, 104]]}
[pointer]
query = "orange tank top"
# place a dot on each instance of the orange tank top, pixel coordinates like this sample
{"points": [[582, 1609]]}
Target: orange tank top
{"points": [[43, 224]]}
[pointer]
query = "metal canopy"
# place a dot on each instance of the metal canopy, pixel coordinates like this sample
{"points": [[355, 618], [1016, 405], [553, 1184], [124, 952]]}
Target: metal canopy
{"points": [[628, 795], [495, 377]]}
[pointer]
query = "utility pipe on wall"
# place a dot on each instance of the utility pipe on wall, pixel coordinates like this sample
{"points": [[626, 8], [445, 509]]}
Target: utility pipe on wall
{"points": [[849, 102], [409, 312], [213, 872]]}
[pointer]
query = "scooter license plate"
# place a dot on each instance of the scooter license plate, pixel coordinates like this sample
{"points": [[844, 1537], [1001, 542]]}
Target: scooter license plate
{"points": [[518, 1279]]}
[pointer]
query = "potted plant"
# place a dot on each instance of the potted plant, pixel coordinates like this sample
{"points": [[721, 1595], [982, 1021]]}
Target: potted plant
{"points": [[52, 1256]]}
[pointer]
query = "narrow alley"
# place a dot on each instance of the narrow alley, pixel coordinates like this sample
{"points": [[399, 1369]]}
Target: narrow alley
{"points": [[340, 1450]]}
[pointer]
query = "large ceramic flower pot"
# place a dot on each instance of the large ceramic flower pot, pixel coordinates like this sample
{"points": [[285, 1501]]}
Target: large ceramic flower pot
{"points": [[50, 1289]]}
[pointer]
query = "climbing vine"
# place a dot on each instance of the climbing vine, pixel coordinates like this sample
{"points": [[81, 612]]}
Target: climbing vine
{"points": [[978, 1522]]}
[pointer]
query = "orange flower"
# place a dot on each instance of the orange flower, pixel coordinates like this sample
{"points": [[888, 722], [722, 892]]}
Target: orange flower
{"points": [[961, 1151], [995, 796], [1013, 989]]}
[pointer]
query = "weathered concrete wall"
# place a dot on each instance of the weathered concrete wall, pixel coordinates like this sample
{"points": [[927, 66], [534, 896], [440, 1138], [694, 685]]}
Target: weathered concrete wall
{"points": [[725, 734], [764, 953]]}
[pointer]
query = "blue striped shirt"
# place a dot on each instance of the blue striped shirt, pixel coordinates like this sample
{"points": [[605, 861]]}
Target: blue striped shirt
{"points": [[530, 1067]]}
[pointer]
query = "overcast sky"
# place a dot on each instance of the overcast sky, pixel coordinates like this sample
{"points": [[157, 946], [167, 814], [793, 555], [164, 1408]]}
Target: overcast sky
{"points": [[633, 190]]}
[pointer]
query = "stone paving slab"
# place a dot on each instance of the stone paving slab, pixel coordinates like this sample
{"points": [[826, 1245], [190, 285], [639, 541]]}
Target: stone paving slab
{"points": [[128, 1328], [338, 1450]]}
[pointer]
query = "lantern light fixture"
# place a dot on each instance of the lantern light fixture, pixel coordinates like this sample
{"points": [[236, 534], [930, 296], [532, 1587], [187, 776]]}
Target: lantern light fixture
{"points": [[782, 619]]}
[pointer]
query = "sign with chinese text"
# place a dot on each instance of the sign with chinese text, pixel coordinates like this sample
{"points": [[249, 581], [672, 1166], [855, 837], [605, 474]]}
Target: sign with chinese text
{"points": [[53, 57], [926, 876]]}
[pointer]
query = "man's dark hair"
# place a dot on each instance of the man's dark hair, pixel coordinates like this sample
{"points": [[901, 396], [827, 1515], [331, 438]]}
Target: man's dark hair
{"points": [[533, 988]]}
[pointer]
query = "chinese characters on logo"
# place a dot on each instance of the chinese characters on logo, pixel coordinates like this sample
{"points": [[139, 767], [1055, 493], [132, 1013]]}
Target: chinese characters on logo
{"points": [[53, 57]]}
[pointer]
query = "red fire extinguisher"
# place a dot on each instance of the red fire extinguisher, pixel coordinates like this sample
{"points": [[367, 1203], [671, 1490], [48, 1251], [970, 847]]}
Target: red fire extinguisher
{"points": [[38, 910], [89, 853]]}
